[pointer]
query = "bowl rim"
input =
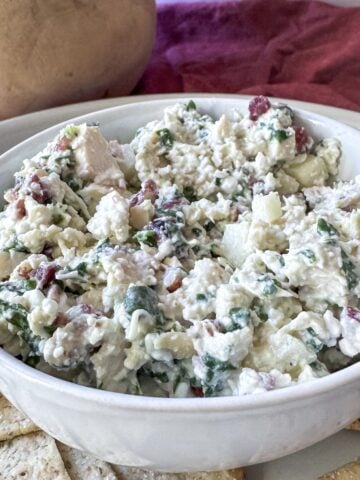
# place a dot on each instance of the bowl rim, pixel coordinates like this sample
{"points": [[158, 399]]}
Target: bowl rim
{"points": [[166, 405]]}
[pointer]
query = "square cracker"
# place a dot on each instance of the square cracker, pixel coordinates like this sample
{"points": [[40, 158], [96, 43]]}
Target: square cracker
{"points": [[128, 473], [31, 457], [12, 422], [81, 466], [355, 425], [350, 471]]}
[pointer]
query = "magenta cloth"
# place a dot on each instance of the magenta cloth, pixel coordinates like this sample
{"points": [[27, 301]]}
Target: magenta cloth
{"points": [[292, 49]]}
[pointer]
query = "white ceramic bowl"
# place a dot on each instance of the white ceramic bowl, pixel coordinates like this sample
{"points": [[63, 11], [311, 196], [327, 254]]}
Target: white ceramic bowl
{"points": [[182, 434]]}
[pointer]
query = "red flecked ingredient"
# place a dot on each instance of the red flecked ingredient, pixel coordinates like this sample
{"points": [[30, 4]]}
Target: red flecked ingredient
{"points": [[148, 192], [25, 272], [302, 139], [348, 208], [20, 210], [268, 380], [38, 191], [258, 106], [61, 320], [85, 308], [353, 313], [45, 274], [174, 286], [172, 279], [197, 391], [174, 202], [209, 329], [63, 144]]}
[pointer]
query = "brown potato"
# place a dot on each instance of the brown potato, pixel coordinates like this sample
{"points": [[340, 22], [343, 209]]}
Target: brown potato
{"points": [[57, 52]]}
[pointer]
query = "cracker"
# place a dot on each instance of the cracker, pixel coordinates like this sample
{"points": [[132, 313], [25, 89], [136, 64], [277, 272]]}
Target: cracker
{"points": [[355, 425], [128, 473], [81, 466], [350, 471], [12, 422], [31, 457]]}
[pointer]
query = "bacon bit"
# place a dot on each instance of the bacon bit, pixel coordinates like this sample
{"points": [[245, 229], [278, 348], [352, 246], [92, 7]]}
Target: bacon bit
{"points": [[61, 320], [174, 202], [353, 313], [44, 274], [25, 271], [20, 210], [173, 279], [148, 191], [85, 308], [174, 286], [258, 106], [63, 144], [36, 189], [197, 391], [348, 208], [209, 329], [302, 139]]}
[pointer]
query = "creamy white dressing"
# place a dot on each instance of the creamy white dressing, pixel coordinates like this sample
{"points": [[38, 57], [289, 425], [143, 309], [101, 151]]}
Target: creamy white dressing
{"points": [[207, 257]]}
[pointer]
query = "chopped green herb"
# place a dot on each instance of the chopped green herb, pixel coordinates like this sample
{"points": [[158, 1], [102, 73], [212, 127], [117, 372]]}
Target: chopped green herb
{"points": [[279, 135], [32, 360], [215, 364], [165, 212], [200, 297], [161, 376], [349, 270], [16, 245], [166, 138], [196, 249], [311, 340], [240, 318], [269, 285], [141, 298], [16, 314], [58, 218], [72, 183], [189, 193], [81, 269], [50, 329], [217, 181], [213, 383], [29, 284], [325, 228], [71, 131], [260, 312], [317, 366], [191, 105], [196, 231], [147, 237], [308, 254]]}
